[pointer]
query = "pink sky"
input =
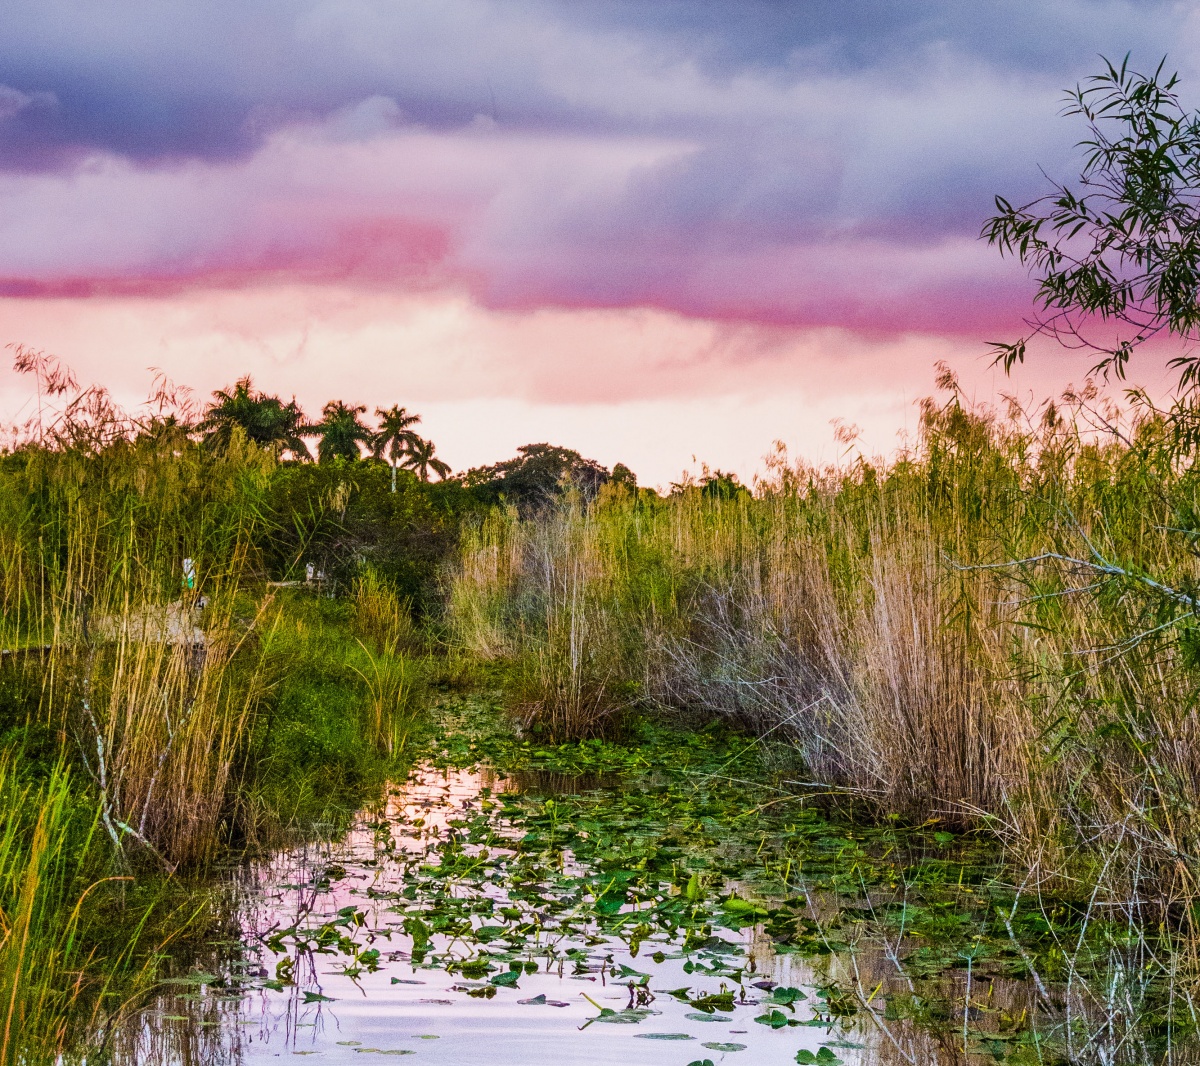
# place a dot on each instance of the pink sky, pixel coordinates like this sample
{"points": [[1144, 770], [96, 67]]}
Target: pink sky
{"points": [[643, 233]]}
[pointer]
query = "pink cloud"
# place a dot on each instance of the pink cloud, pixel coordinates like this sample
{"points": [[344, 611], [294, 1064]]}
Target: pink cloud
{"points": [[479, 211]]}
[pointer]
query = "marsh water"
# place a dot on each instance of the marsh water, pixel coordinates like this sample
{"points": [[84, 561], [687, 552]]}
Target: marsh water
{"points": [[622, 911]]}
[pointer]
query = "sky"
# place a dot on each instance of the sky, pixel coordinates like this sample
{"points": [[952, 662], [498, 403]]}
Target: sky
{"points": [[664, 232]]}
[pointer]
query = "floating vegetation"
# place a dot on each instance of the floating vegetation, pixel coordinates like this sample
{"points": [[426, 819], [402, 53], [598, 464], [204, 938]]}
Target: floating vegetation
{"points": [[675, 902]]}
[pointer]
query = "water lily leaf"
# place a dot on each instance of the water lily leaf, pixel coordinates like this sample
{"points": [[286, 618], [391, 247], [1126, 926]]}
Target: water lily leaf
{"points": [[824, 1057], [724, 1047], [536, 1001], [787, 996], [663, 1036], [316, 997], [776, 1019], [506, 980], [624, 1017]]}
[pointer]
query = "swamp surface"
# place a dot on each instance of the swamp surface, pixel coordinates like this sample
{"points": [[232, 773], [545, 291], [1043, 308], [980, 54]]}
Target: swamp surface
{"points": [[673, 899]]}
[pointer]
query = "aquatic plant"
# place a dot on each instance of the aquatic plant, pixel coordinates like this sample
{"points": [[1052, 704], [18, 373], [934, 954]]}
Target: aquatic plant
{"points": [[922, 629]]}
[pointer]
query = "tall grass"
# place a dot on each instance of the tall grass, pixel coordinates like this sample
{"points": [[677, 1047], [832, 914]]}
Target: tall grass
{"points": [[132, 669], [54, 987], [914, 627], [383, 625]]}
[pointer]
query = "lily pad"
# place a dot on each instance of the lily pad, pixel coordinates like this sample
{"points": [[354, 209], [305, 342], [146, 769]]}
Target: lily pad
{"points": [[506, 980], [715, 1046], [664, 1036]]}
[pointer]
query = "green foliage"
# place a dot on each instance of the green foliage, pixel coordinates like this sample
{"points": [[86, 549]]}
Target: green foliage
{"points": [[538, 476], [342, 433], [340, 516], [265, 420], [1121, 248], [323, 739]]}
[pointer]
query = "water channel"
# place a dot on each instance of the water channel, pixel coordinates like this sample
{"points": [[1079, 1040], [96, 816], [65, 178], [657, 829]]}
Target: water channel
{"points": [[477, 917]]}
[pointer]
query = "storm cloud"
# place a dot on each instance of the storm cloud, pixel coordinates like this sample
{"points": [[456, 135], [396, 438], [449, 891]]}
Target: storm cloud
{"points": [[811, 164]]}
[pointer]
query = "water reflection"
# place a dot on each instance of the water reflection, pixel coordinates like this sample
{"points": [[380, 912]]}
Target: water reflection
{"points": [[445, 926]]}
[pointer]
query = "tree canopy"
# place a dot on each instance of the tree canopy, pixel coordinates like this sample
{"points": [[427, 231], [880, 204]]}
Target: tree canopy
{"points": [[1117, 254], [538, 475], [422, 459], [341, 431], [266, 420]]}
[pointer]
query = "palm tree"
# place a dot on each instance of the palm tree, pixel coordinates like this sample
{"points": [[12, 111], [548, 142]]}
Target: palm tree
{"points": [[266, 420], [341, 431], [394, 436], [421, 459]]}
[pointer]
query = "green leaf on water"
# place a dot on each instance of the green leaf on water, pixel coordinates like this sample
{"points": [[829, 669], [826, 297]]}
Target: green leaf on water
{"points": [[724, 1047], [316, 997], [697, 1017], [197, 978], [776, 1019], [824, 1057], [508, 979], [663, 1036], [785, 997]]}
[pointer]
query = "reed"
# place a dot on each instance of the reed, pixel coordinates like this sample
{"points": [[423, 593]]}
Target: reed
{"points": [[55, 987], [914, 627]]}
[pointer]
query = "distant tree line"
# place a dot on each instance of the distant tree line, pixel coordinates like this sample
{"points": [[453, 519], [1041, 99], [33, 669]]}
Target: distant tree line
{"points": [[538, 475]]}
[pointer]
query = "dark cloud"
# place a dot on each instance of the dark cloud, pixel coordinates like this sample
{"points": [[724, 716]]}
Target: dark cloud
{"points": [[1051, 36], [787, 125], [164, 79]]}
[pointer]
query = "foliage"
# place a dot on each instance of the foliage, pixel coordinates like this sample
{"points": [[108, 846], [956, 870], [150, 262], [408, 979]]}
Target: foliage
{"points": [[422, 459], [537, 476], [342, 516], [265, 420], [927, 632], [341, 432], [1122, 249], [395, 438]]}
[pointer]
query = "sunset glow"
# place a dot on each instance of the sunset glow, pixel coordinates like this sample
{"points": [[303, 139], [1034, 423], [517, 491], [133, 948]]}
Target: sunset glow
{"points": [[648, 232]]}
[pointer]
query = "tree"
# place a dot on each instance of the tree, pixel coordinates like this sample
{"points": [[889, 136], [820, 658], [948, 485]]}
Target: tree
{"points": [[1116, 258], [394, 438], [622, 475], [341, 430], [421, 459], [538, 476], [266, 420]]}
